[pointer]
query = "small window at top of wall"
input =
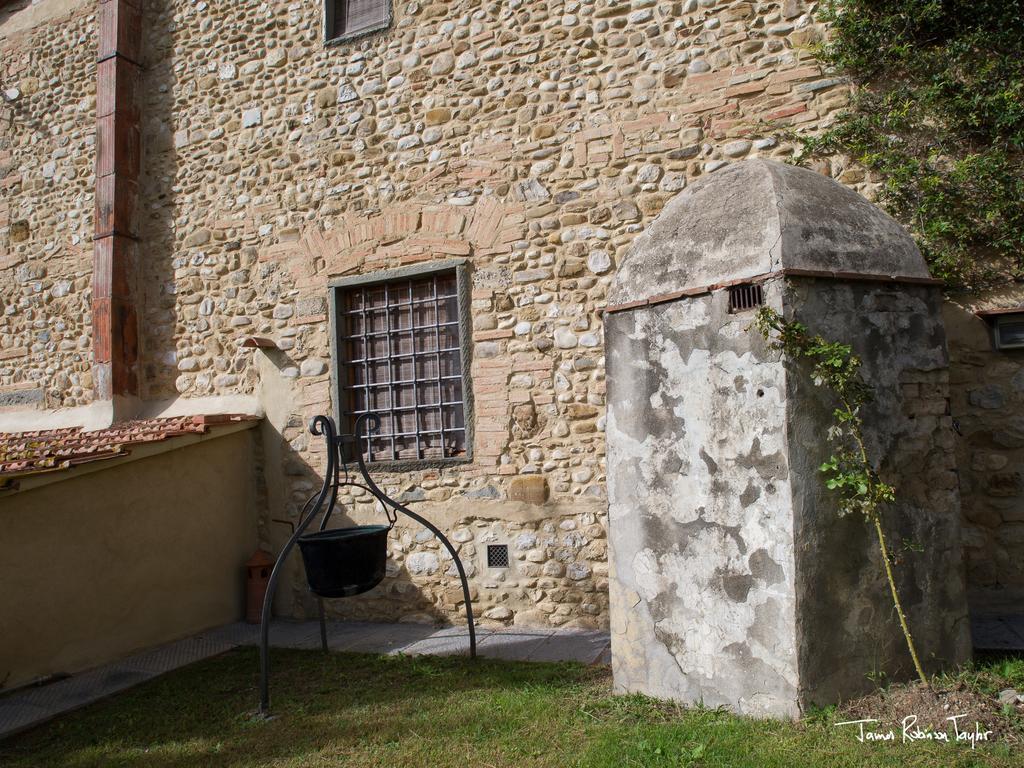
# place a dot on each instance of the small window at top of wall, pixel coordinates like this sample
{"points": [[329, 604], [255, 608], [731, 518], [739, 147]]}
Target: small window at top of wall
{"points": [[1009, 331], [1007, 327], [346, 19]]}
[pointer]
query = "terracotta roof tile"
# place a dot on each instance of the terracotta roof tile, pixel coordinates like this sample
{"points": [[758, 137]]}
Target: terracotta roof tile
{"points": [[54, 449]]}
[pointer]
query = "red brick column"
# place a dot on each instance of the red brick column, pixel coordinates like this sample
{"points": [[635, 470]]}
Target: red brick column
{"points": [[114, 316]]}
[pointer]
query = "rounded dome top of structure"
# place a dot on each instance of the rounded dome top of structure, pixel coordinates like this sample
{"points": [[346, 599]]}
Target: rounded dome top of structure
{"points": [[757, 217]]}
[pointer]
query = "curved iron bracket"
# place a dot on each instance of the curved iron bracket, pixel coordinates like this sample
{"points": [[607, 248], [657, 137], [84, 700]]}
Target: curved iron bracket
{"points": [[338, 449]]}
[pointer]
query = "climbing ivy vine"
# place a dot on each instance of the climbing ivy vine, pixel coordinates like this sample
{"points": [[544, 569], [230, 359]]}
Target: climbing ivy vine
{"points": [[939, 114], [849, 472]]}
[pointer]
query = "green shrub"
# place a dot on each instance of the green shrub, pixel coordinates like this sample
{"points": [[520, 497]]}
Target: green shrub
{"points": [[939, 114]]}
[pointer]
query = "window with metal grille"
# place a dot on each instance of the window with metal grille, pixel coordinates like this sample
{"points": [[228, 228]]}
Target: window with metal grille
{"points": [[1009, 332], [344, 19], [744, 297], [497, 555], [400, 356]]}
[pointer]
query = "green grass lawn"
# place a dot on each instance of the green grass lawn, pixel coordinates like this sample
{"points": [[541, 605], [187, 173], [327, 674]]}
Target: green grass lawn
{"points": [[354, 710]]}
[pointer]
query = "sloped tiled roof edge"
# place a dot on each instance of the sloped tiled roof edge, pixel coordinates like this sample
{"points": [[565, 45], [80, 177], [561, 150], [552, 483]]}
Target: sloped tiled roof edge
{"points": [[25, 454]]}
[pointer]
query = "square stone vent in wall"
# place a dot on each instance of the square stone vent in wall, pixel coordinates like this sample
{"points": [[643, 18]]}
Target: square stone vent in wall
{"points": [[745, 297], [497, 555]]}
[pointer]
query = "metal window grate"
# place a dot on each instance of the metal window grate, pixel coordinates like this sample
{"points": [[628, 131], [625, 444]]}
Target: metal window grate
{"points": [[1009, 332], [353, 17], [400, 357], [744, 297], [497, 556]]}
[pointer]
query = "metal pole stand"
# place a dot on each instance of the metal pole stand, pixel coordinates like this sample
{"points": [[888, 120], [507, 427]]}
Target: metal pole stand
{"points": [[340, 451]]}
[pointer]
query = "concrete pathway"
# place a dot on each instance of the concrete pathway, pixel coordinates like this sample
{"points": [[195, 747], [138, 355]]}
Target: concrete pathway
{"points": [[29, 707]]}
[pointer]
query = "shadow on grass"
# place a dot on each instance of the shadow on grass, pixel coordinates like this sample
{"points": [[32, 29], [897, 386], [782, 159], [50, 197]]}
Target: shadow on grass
{"points": [[359, 710], [326, 707]]}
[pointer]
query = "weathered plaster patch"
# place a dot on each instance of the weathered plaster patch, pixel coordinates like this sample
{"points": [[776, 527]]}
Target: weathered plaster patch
{"points": [[692, 531]]}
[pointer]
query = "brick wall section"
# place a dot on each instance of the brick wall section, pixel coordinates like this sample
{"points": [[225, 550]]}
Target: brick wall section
{"points": [[47, 141], [118, 156]]}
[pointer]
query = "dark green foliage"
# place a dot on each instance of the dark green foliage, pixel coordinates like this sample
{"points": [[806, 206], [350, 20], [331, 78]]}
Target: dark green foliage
{"points": [[940, 115]]}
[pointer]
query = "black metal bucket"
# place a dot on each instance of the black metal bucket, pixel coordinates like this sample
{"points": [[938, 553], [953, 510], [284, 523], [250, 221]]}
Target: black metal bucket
{"points": [[342, 562]]}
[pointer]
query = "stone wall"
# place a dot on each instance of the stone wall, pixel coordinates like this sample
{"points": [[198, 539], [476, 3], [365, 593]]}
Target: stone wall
{"points": [[557, 572], [47, 143], [735, 582], [535, 139], [268, 152], [987, 401]]}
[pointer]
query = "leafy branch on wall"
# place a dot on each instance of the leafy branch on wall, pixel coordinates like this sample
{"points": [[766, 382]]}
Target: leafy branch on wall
{"points": [[938, 119]]}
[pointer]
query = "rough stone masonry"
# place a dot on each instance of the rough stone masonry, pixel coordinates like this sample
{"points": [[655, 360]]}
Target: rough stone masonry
{"points": [[734, 580], [535, 139]]}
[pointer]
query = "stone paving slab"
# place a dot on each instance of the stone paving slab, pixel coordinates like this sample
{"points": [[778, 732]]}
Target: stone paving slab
{"points": [[289, 634], [511, 646], [32, 706], [376, 638], [16, 716], [174, 655], [586, 647], [446, 642], [238, 633]]}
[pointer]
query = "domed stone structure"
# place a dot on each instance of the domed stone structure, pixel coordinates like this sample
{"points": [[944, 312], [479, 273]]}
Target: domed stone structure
{"points": [[734, 580], [758, 217]]}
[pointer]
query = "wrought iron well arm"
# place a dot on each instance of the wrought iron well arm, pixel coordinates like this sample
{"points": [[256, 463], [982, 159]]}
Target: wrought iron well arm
{"points": [[322, 425], [387, 500]]}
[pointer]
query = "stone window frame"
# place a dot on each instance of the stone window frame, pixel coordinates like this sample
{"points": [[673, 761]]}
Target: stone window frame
{"points": [[328, 26], [463, 301]]}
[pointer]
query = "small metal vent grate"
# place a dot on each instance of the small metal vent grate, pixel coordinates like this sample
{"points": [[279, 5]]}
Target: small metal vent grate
{"points": [[744, 297], [497, 556]]}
